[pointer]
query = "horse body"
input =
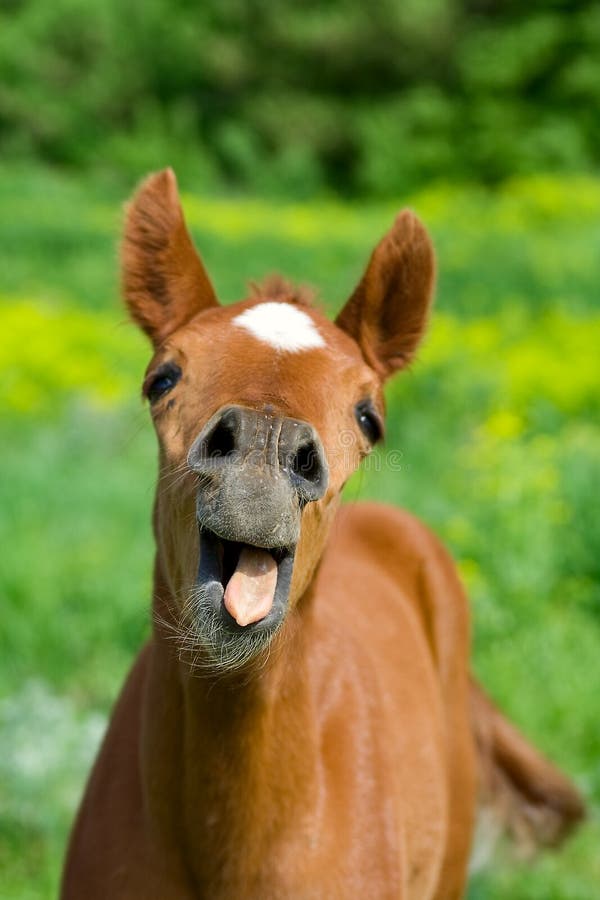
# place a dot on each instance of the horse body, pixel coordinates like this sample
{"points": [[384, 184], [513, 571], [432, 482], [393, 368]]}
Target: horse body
{"points": [[302, 723], [320, 776]]}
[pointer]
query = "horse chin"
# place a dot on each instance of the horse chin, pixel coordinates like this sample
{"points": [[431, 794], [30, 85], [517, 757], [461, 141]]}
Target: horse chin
{"points": [[227, 645]]}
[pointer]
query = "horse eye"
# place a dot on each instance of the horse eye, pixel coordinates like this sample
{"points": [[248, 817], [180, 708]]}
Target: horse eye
{"points": [[369, 421], [162, 381]]}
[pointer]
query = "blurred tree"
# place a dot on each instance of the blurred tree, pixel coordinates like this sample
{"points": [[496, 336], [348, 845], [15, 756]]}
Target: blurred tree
{"points": [[274, 94]]}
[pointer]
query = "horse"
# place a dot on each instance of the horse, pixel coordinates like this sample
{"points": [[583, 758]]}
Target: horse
{"points": [[302, 722]]}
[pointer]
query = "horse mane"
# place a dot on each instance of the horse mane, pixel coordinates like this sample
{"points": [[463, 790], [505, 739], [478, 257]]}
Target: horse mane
{"points": [[276, 287]]}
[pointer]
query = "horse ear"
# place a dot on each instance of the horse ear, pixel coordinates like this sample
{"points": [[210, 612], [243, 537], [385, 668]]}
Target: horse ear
{"points": [[387, 313], [163, 279]]}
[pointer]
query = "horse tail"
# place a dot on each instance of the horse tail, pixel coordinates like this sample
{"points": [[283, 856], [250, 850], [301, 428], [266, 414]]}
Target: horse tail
{"points": [[522, 794]]}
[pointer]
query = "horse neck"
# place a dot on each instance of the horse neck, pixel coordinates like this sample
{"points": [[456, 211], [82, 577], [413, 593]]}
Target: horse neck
{"points": [[238, 745]]}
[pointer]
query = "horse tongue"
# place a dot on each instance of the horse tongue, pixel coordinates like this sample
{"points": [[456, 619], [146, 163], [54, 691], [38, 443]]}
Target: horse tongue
{"points": [[251, 589]]}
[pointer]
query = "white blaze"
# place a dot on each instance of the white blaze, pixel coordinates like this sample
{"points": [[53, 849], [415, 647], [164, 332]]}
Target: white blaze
{"points": [[281, 325]]}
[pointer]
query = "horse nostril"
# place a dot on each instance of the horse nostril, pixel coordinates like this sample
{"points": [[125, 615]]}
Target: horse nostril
{"points": [[237, 439], [306, 462], [217, 441], [308, 470], [221, 441]]}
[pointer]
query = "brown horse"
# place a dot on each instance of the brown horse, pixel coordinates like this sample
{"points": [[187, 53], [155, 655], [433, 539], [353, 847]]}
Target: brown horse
{"points": [[302, 723]]}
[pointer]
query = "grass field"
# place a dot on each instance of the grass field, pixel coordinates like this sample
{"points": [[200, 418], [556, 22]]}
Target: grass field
{"points": [[498, 427]]}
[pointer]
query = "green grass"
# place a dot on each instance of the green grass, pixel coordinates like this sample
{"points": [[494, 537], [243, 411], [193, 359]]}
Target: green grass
{"points": [[496, 428]]}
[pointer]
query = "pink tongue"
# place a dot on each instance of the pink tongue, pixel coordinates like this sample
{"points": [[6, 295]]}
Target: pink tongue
{"points": [[250, 591]]}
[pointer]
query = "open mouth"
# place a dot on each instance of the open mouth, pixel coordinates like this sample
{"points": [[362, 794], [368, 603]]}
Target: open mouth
{"points": [[247, 585]]}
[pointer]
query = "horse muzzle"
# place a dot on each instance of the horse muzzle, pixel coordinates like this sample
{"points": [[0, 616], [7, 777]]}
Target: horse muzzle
{"points": [[256, 473]]}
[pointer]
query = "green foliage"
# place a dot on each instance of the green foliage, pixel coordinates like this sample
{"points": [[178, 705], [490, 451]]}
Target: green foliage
{"points": [[282, 96], [496, 429]]}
